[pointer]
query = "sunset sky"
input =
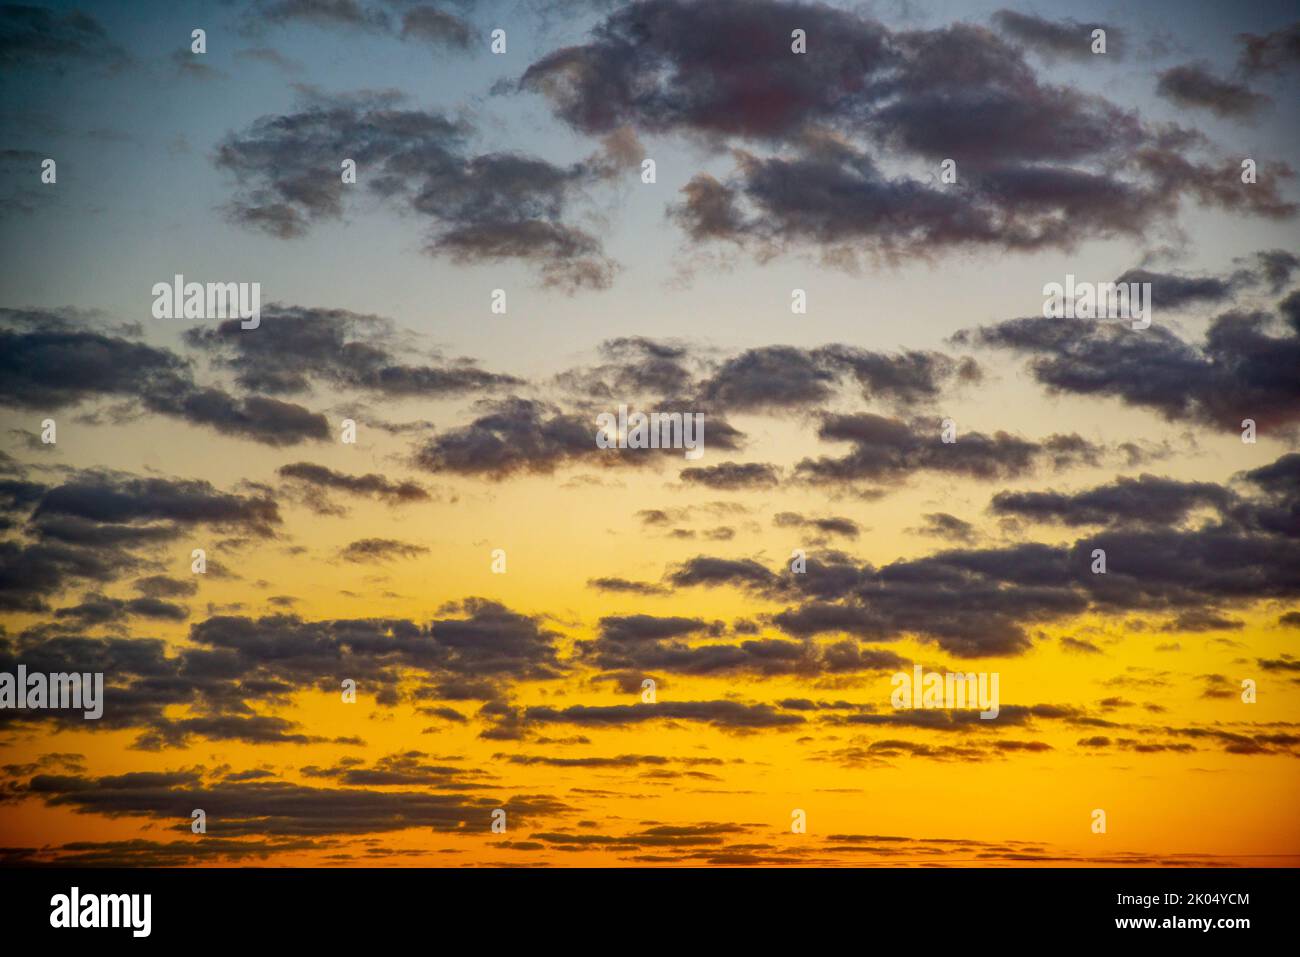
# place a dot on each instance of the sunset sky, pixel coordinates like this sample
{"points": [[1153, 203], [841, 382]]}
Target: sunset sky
{"points": [[521, 689]]}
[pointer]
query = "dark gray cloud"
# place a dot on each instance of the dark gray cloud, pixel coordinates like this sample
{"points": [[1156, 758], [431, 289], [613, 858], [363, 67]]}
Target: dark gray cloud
{"points": [[666, 65], [517, 435], [1281, 477], [370, 484], [889, 450], [1067, 39], [634, 367], [903, 378], [439, 27], [1199, 619], [262, 808], [345, 13], [47, 364], [161, 586], [631, 629], [34, 36], [489, 207], [521, 436], [92, 526], [1031, 156], [1195, 85], [1276, 267], [23, 193], [1146, 500], [429, 23], [296, 348], [232, 663], [707, 570], [1272, 52], [983, 601], [633, 645], [833, 525], [1169, 291], [106, 497], [380, 550], [769, 379], [404, 769], [732, 476], [1239, 371], [32, 573], [949, 527], [617, 761], [625, 586], [728, 715], [99, 610], [488, 643], [832, 197]]}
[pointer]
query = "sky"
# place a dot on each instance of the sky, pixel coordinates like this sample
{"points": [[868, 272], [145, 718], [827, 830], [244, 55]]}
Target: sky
{"points": [[570, 655]]}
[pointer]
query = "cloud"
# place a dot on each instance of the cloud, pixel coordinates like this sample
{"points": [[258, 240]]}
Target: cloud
{"points": [[98, 610], [1173, 292], [106, 497], [770, 377], [949, 527], [319, 477], [427, 22], [889, 450], [1079, 646], [827, 526], [191, 66], [641, 644], [707, 570], [732, 476], [208, 688], [91, 527], [1195, 85], [1239, 371], [1271, 52], [423, 22], [1276, 267], [48, 364], [767, 379], [274, 808], [666, 65], [633, 366], [403, 769], [1200, 619], [271, 56], [1146, 500], [727, 715], [638, 628], [161, 586], [624, 586], [1040, 166], [297, 347], [35, 37], [520, 436], [1067, 39], [480, 208], [979, 602], [31, 573], [380, 550]]}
